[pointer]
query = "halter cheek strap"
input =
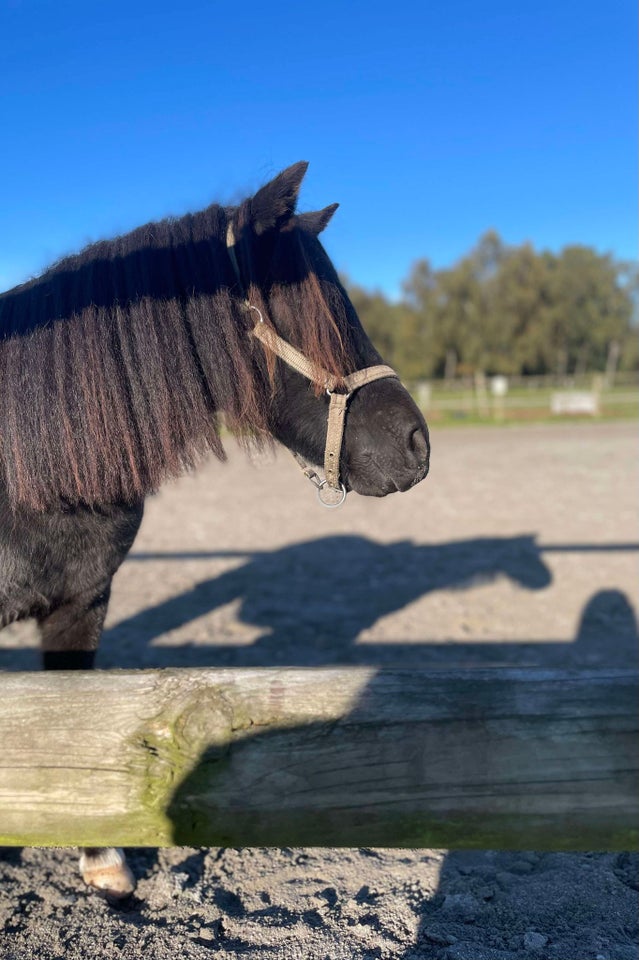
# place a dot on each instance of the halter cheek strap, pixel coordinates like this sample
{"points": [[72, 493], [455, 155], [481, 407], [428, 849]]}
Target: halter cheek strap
{"points": [[338, 401], [295, 359]]}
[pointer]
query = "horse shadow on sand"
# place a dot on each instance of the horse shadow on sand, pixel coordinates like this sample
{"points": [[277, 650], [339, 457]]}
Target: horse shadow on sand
{"points": [[308, 604], [312, 603]]}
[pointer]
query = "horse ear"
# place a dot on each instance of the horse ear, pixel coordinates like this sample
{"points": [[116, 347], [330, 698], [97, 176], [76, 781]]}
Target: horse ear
{"points": [[275, 203], [317, 221]]}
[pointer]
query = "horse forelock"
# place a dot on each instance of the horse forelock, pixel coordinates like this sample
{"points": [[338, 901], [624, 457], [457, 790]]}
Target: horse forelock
{"points": [[291, 280]]}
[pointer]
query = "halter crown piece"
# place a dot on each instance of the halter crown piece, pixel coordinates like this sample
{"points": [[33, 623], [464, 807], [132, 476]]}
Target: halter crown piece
{"points": [[331, 485]]}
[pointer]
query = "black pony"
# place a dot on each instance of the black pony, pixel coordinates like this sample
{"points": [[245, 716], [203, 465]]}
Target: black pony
{"points": [[115, 366]]}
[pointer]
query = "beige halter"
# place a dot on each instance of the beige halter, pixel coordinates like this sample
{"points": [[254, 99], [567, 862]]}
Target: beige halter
{"points": [[338, 402]]}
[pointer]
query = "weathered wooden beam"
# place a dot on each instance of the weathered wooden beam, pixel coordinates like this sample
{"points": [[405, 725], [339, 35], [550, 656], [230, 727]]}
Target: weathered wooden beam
{"points": [[335, 757]]}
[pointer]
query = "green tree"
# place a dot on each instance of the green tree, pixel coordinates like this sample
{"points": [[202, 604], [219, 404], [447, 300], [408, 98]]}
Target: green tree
{"points": [[378, 317], [589, 307], [511, 310]]}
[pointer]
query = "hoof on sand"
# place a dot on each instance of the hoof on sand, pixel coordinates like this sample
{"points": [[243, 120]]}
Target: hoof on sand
{"points": [[107, 872]]}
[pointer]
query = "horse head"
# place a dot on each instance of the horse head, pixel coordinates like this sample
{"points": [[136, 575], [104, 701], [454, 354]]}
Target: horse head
{"points": [[291, 286]]}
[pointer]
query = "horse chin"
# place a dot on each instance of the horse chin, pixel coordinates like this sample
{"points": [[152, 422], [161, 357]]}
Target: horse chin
{"points": [[368, 489], [381, 484]]}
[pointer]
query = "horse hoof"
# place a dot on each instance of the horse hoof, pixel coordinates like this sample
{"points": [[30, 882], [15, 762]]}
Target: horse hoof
{"points": [[108, 872]]}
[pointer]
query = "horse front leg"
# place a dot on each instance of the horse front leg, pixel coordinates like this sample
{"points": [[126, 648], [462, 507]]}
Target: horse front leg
{"points": [[69, 640]]}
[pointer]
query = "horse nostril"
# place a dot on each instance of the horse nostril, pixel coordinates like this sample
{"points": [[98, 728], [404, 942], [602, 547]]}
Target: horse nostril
{"points": [[418, 443]]}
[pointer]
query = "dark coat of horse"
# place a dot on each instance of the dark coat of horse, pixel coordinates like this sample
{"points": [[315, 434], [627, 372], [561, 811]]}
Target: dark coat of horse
{"points": [[116, 365]]}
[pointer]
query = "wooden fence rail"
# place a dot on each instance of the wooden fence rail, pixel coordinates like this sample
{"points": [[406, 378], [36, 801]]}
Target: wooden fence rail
{"points": [[334, 757]]}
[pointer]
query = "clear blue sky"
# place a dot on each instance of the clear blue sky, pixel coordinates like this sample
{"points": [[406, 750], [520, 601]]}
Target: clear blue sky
{"points": [[428, 121]]}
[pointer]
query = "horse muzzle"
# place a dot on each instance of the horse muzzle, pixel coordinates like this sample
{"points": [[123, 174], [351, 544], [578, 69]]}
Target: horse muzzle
{"points": [[387, 446]]}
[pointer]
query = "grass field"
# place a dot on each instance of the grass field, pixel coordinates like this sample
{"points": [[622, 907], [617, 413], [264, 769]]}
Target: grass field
{"points": [[531, 401]]}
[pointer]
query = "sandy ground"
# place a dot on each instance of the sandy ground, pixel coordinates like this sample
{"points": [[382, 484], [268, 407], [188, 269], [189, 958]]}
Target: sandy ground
{"points": [[520, 548]]}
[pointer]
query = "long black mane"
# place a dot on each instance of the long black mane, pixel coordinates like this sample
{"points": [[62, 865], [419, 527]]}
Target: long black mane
{"points": [[115, 363]]}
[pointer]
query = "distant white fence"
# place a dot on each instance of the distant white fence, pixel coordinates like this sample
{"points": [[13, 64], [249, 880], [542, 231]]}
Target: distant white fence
{"points": [[496, 396], [575, 402]]}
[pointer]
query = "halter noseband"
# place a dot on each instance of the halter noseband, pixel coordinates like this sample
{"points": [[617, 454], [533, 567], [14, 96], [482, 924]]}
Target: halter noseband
{"points": [[338, 401]]}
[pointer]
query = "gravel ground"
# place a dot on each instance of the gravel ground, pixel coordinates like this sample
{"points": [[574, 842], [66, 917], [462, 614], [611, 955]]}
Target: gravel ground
{"points": [[520, 548]]}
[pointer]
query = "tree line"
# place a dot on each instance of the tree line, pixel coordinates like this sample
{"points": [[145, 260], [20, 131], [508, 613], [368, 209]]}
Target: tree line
{"points": [[509, 310]]}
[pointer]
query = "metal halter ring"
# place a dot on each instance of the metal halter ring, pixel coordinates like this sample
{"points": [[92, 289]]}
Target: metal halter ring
{"points": [[330, 506], [258, 312], [329, 392]]}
